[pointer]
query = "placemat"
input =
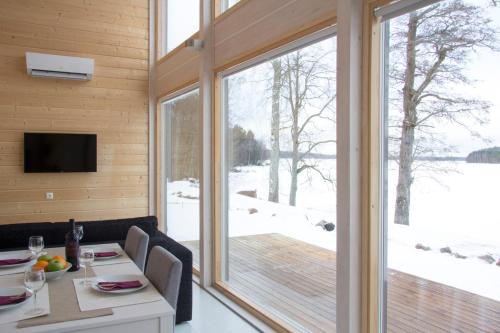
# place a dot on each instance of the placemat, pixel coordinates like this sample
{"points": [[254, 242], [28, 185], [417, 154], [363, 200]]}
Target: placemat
{"points": [[17, 269], [19, 313], [89, 299], [122, 259], [64, 302]]}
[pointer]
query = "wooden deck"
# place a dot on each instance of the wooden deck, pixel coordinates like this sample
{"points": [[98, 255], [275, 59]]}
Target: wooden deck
{"points": [[295, 281]]}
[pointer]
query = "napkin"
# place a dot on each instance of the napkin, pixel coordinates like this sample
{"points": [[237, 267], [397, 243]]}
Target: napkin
{"points": [[119, 285], [105, 254], [6, 300], [6, 262]]}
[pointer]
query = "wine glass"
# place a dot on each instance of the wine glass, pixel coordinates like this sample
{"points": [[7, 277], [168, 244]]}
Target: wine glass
{"points": [[86, 258], [79, 231], [36, 245], [34, 280]]}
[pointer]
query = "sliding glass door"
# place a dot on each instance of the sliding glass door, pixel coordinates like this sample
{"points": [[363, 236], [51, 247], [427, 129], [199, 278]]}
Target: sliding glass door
{"points": [[181, 185], [442, 168], [279, 186]]}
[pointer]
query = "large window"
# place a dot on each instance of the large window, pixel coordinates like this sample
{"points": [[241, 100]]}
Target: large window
{"points": [[181, 186], [442, 168], [279, 186], [181, 21]]}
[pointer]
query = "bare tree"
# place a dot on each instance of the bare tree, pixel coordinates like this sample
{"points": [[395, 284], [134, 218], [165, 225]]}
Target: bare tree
{"points": [[274, 184], [429, 52], [308, 89]]}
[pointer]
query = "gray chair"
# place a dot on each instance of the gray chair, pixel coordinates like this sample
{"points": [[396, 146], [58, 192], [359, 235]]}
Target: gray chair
{"points": [[164, 271], [136, 246]]}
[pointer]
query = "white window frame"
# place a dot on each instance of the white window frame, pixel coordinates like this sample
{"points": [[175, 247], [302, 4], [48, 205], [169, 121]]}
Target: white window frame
{"points": [[384, 14]]}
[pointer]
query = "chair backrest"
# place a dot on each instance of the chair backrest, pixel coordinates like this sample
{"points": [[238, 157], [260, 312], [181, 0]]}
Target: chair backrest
{"points": [[164, 271], [136, 246]]}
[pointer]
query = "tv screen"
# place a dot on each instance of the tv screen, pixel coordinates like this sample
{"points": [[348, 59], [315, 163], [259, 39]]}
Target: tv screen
{"points": [[57, 152]]}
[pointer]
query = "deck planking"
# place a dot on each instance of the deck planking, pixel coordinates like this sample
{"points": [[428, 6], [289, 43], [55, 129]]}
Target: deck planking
{"points": [[296, 282]]}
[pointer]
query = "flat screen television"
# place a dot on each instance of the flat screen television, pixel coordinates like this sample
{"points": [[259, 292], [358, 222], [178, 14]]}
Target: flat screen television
{"points": [[58, 152]]}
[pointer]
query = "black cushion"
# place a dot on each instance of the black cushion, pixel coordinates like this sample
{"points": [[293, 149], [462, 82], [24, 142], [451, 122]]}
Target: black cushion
{"points": [[16, 236], [101, 231], [185, 300]]}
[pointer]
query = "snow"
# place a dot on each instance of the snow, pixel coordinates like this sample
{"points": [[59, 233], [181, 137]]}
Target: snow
{"points": [[459, 212]]}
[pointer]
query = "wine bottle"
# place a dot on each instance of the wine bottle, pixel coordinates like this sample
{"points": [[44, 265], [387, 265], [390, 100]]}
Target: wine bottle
{"points": [[72, 247]]}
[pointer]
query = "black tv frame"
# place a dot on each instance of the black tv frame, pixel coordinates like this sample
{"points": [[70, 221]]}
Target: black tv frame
{"points": [[88, 163]]}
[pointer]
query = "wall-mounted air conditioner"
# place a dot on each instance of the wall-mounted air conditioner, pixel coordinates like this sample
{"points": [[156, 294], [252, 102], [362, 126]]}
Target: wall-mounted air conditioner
{"points": [[59, 67]]}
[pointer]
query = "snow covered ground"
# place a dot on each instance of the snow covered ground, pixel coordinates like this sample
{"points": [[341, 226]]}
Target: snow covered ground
{"points": [[459, 212]]}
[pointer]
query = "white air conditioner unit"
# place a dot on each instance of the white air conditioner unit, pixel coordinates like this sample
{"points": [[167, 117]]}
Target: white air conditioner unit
{"points": [[59, 67]]}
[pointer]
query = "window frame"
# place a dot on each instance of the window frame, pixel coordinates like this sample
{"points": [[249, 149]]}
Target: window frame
{"points": [[382, 11], [161, 30], [349, 271], [221, 218], [161, 153]]}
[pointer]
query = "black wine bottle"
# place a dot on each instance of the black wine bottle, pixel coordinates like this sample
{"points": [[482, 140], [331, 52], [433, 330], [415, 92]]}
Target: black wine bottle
{"points": [[72, 247]]}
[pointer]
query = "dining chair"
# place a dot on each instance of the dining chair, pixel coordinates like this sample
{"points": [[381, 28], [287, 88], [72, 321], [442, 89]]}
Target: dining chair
{"points": [[136, 246], [164, 271]]}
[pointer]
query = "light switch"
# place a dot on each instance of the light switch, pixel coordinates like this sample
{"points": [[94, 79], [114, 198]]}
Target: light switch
{"points": [[49, 195]]}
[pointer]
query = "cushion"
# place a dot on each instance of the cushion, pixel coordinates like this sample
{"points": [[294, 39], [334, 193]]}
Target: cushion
{"points": [[106, 230], [16, 236]]}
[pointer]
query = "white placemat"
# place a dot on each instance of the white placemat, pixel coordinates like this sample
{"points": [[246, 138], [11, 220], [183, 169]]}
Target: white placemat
{"points": [[90, 299], [17, 269], [123, 258], [18, 313]]}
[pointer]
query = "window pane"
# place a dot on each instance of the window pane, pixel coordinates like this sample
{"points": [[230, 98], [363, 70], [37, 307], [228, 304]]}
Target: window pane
{"points": [[181, 187], [183, 20], [443, 169], [280, 174], [226, 4]]}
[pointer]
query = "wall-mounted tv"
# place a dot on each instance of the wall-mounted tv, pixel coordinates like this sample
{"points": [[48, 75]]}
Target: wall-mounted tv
{"points": [[60, 152]]}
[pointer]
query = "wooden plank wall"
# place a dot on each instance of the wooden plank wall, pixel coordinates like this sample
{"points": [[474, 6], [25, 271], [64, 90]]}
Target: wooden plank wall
{"points": [[177, 70], [248, 29], [253, 27], [114, 104]]}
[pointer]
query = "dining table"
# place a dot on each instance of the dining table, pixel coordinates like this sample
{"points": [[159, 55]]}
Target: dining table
{"points": [[71, 305]]}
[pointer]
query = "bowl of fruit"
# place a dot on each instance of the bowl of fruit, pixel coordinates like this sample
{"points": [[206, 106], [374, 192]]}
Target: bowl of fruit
{"points": [[54, 267]]}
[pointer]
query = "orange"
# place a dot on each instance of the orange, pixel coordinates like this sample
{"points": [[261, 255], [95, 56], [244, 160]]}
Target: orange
{"points": [[61, 259], [37, 268], [42, 264]]}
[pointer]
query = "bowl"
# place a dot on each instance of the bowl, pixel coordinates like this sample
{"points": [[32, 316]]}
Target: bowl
{"points": [[57, 274]]}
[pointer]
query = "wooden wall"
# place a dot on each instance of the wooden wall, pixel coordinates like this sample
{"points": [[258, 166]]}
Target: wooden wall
{"points": [[114, 104], [244, 31], [253, 27]]}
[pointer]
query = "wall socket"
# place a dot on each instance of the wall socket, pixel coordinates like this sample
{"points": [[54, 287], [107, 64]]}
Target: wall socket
{"points": [[49, 195]]}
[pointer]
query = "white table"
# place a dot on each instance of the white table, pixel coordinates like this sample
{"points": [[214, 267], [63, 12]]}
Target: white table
{"points": [[156, 316]]}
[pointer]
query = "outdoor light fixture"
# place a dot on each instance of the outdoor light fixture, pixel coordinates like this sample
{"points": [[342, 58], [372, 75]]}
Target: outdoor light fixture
{"points": [[195, 44]]}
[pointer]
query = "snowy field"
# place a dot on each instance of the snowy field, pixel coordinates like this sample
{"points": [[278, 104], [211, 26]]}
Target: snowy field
{"points": [[459, 212]]}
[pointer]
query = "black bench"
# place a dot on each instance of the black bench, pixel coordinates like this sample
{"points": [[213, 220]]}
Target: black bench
{"points": [[15, 236]]}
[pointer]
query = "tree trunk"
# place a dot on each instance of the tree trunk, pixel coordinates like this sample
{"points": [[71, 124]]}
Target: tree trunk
{"points": [[274, 181], [295, 155], [295, 106], [405, 177], [293, 183]]}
